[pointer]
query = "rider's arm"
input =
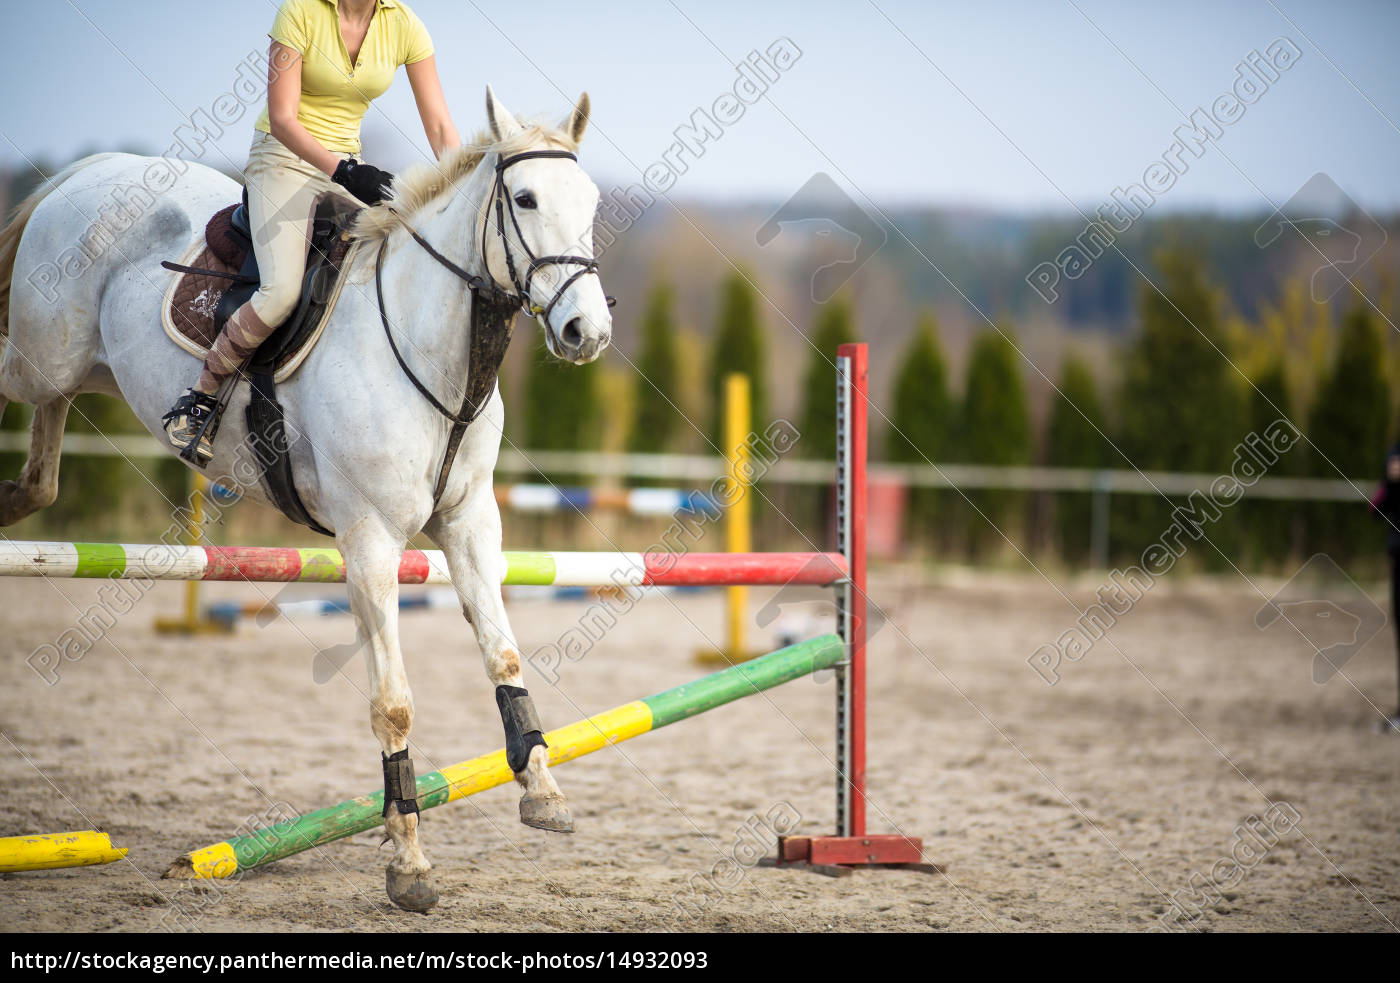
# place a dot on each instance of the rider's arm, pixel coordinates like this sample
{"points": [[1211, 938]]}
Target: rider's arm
{"points": [[283, 101], [432, 105]]}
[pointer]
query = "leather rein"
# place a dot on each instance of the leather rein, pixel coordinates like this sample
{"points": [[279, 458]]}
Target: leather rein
{"points": [[486, 291]]}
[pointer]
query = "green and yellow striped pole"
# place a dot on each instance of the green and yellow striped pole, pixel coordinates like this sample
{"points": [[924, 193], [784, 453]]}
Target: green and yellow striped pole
{"points": [[479, 774]]}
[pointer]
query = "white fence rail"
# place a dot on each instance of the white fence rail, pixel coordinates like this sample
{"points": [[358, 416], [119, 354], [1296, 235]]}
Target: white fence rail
{"points": [[698, 470], [704, 468]]}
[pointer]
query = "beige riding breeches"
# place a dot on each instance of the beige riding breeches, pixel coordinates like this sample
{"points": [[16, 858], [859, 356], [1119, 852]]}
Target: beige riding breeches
{"points": [[282, 193]]}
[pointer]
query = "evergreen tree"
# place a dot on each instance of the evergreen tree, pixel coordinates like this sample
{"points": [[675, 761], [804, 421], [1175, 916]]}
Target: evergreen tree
{"points": [[657, 415], [739, 346], [921, 420], [995, 429], [1348, 433], [561, 406], [813, 507], [1272, 526], [1074, 438], [818, 420], [1181, 408]]}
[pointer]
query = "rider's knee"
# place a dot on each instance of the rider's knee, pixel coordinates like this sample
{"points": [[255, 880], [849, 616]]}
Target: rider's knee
{"points": [[275, 302]]}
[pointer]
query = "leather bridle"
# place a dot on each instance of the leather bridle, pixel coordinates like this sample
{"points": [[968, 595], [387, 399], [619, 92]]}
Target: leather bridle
{"points": [[485, 288], [505, 205]]}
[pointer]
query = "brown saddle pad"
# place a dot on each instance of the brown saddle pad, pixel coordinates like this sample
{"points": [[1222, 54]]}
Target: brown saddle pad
{"points": [[196, 296]]}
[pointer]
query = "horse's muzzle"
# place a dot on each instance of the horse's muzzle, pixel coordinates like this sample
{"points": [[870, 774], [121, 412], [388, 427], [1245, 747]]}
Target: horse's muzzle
{"points": [[579, 340]]}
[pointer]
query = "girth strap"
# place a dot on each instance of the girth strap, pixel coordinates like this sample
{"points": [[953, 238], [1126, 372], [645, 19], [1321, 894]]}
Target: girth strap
{"points": [[267, 421]]}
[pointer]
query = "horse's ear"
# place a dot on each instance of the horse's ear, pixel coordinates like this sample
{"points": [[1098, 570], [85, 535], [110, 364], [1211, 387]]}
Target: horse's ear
{"points": [[503, 124], [578, 119]]}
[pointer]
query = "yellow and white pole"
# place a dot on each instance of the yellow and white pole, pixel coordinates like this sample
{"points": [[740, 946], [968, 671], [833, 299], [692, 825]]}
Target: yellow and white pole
{"points": [[48, 851]]}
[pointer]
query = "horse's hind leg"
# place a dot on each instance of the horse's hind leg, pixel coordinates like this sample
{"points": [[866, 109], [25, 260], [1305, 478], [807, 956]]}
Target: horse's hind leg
{"points": [[37, 486], [470, 536], [372, 557]]}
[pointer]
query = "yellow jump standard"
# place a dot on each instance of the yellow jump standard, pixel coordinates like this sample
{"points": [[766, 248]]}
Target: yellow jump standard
{"points": [[477, 775], [49, 851]]}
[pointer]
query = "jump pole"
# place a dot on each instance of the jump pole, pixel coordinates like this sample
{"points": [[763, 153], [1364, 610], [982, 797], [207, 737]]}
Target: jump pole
{"points": [[738, 524], [621, 723], [191, 621], [51, 851], [274, 564]]}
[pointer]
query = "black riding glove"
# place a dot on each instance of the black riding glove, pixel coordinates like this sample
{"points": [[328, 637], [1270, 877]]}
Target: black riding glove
{"points": [[365, 181]]}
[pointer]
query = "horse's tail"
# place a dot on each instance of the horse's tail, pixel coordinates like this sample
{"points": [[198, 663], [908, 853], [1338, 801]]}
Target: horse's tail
{"points": [[14, 229]]}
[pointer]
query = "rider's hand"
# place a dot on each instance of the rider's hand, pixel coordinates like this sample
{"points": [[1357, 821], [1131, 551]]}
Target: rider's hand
{"points": [[365, 181]]}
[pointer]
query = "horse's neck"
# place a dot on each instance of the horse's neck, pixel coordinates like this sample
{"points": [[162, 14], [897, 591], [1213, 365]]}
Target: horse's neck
{"points": [[428, 305]]}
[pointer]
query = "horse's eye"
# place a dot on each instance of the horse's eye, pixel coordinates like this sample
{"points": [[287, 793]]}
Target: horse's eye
{"points": [[525, 200]]}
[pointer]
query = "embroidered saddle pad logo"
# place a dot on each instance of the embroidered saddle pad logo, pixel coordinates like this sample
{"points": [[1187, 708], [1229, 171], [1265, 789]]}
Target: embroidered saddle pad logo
{"points": [[188, 311]]}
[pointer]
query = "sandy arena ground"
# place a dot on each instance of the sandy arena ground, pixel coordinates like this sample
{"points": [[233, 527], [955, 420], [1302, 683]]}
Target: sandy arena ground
{"points": [[1083, 806]]}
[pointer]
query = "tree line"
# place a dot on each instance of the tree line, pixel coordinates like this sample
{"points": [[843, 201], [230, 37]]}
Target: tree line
{"points": [[1195, 380], [1192, 388], [1192, 385]]}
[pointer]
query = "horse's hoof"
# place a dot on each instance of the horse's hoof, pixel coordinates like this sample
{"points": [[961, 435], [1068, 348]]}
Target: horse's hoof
{"points": [[411, 892], [549, 812]]}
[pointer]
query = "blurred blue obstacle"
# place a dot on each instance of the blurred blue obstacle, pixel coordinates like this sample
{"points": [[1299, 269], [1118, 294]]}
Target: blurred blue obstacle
{"points": [[636, 501], [224, 496], [227, 613], [556, 498]]}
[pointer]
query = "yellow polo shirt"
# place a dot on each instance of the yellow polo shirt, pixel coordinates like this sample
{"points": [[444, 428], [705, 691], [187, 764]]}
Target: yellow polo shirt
{"points": [[334, 93]]}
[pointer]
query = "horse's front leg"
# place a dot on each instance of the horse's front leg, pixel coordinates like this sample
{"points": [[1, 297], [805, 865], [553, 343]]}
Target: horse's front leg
{"points": [[470, 536], [372, 555]]}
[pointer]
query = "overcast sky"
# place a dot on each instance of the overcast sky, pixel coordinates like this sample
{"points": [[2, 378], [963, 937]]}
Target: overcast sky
{"points": [[1001, 105]]}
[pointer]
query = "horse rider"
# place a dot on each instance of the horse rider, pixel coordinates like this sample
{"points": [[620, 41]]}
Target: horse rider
{"points": [[327, 61]]}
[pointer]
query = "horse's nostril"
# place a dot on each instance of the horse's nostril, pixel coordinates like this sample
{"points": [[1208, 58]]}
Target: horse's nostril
{"points": [[572, 334]]}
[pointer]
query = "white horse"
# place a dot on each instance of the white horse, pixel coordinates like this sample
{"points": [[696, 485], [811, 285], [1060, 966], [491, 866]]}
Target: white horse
{"points": [[372, 444]]}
